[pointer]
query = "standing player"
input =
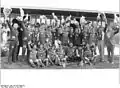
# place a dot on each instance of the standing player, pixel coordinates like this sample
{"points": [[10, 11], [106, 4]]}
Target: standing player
{"points": [[102, 22]]}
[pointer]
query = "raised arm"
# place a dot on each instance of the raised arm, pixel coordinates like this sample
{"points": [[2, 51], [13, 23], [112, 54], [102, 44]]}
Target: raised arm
{"points": [[8, 23], [22, 25], [7, 12], [105, 29], [21, 20]]}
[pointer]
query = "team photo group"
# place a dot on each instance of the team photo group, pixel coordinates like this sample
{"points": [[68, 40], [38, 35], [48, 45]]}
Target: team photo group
{"points": [[61, 42]]}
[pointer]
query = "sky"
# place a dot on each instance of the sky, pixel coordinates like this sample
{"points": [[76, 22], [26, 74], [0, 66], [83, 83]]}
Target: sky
{"points": [[97, 5]]}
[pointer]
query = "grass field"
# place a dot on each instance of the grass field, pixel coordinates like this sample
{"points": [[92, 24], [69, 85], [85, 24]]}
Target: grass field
{"points": [[98, 65]]}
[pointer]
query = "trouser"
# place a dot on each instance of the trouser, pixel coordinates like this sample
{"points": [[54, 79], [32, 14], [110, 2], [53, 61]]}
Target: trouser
{"points": [[110, 50], [13, 48], [26, 51], [19, 46], [28, 55], [101, 49]]}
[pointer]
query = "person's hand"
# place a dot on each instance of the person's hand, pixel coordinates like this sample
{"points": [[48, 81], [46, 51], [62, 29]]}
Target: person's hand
{"points": [[19, 18], [21, 12]]}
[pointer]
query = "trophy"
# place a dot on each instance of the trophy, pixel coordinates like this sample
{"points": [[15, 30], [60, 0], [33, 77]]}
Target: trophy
{"points": [[7, 11]]}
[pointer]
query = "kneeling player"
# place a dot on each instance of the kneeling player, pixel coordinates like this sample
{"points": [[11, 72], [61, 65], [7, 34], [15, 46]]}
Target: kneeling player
{"points": [[87, 55], [62, 57], [33, 59], [70, 53], [93, 52], [52, 56], [41, 55]]}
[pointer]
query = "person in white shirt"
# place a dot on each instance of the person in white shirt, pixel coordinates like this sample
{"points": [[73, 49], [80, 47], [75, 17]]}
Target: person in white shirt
{"points": [[43, 19], [82, 21]]}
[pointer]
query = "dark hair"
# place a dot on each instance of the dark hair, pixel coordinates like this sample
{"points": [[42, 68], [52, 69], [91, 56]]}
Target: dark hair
{"points": [[15, 21], [37, 25], [25, 17], [4, 25]]}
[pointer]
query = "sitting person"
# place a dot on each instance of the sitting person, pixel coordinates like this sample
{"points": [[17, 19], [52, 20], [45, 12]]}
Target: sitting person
{"points": [[52, 56], [70, 53], [93, 51], [61, 56], [33, 59], [41, 55], [88, 57]]}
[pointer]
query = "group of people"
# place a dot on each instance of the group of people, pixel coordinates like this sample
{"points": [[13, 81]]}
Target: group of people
{"points": [[60, 43]]}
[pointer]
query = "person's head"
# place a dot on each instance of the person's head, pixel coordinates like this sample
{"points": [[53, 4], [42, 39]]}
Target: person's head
{"points": [[94, 24], [83, 42], [71, 44], [74, 19], [62, 17], [101, 29], [111, 24], [29, 26], [34, 46], [41, 46], [76, 30], [15, 24], [80, 31]]}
